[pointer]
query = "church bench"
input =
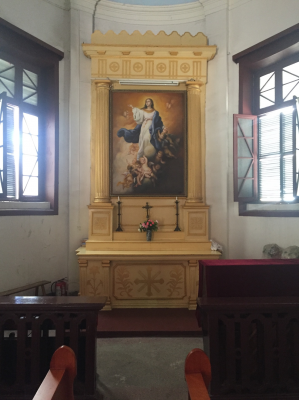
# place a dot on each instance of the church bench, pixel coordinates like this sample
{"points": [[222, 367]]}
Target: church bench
{"points": [[249, 314], [59, 381], [197, 375], [33, 327], [20, 289]]}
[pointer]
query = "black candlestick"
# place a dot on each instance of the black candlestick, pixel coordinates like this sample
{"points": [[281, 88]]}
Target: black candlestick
{"points": [[119, 214], [177, 228]]}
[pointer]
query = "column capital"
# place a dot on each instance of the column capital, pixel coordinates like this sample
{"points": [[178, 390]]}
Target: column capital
{"points": [[194, 85], [102, 83]]}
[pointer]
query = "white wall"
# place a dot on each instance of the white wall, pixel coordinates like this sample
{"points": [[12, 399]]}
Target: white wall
{"points": [[34, 248], [264, 18]]}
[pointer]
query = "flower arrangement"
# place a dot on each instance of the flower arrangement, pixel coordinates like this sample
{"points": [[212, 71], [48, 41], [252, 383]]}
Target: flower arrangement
{"points": [[148, 225]]}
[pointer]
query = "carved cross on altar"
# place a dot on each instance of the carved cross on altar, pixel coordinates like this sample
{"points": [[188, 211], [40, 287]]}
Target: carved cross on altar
{"points": [[147, 207]]}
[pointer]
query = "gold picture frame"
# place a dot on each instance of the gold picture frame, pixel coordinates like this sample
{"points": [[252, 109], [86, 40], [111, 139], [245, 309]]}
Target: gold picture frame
{"points": [[148, 143]]}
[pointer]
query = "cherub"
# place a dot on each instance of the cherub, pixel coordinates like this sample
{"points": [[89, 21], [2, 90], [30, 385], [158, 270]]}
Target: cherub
{"points": [[144, 172], [133, 148], [168, 153], [159, 158], [128, 181]]}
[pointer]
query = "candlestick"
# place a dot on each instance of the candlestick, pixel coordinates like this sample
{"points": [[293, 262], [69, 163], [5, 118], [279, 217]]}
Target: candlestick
{"points": [[119, 214], [177, 228]]}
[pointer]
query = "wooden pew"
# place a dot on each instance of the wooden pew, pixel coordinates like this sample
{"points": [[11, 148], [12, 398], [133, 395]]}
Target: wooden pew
{"points": [[59, 381], [198, 375], [32, 328]]}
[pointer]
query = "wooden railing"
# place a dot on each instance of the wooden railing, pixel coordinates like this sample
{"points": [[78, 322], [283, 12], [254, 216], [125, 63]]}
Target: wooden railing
{"points": [[197, 375], [59, 381], [32, 328]]}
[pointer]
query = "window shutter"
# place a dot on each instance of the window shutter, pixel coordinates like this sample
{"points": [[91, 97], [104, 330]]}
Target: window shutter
{"points": [[296, 158], [245, 158], [10, 164], [3, 124], [277, 155]]}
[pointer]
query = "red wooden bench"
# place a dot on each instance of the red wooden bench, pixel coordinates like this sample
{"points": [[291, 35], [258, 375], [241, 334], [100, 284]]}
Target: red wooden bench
{"points": [[59, 381], [198, 375]]}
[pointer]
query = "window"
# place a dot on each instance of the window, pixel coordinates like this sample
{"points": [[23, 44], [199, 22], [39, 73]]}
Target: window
{"points": [[266, 134], [28, 124]]}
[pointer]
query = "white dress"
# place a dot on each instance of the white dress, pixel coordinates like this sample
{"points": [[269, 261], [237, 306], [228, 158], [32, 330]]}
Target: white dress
{"points": [[145, 119]]}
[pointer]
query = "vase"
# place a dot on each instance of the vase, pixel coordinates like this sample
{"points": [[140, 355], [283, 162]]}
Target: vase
{"points": [[148, 235]]}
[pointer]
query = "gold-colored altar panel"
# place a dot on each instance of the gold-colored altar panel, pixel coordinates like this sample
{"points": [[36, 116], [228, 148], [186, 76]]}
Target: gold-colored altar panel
{"points": [[132, 215], [94, 279], [101, 224], [196, 224], [142, 279], [149, 281], [182, 68]]}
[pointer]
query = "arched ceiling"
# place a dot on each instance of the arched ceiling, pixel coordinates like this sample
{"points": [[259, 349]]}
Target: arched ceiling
{"points": [[154, 2]]}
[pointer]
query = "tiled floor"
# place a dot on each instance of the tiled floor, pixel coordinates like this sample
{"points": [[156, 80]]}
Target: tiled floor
{"points": [[143, 368]]}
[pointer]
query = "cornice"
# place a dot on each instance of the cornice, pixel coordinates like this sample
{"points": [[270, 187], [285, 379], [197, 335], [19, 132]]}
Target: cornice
{"points": [[212, 6], [64, 4], [149, 56], [83, 5], [148, 39], [237, 3], [128, 14], [155, 15]]}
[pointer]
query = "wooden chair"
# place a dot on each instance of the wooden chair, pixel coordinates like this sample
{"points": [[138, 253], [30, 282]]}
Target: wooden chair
{"points": [[59, 381], [198, 375]]}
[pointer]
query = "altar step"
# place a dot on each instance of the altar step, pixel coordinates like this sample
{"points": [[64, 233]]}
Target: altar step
{"points": [[136, 322]]}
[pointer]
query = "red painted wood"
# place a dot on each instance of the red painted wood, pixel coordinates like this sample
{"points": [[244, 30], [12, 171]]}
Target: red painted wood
{"points": [[59, 381], [198, 374]]}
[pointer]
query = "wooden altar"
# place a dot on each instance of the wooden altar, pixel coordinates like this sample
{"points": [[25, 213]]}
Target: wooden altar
{"points": [[122, 265]]}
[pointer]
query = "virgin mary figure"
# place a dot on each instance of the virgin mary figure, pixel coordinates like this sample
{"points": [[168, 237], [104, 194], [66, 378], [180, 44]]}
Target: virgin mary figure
{"points": [[148, 123]]}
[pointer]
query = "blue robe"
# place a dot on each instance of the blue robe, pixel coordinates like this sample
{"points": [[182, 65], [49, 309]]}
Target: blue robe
{"points": [[132, 135]]}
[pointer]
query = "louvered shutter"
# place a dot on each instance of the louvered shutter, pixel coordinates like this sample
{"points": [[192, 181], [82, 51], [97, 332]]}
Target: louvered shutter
{"points": [[245, 158], [3, 125], [277, 155], [10, 153]]}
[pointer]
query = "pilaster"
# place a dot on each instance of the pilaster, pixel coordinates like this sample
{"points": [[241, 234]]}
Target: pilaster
{"points": [[195, 147], [100, 142]]}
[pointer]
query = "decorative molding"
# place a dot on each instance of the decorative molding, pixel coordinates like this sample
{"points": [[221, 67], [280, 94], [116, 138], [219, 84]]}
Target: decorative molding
{"points": [[212, 6], [64, 4], [101, 223], [237, 3], [148, 40], [128, 13], [154, 15], [149, 56], [149, 281]]}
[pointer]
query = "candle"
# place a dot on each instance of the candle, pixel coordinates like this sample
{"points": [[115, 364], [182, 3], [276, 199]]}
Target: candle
{"points": [[176, 199], [118, 198]]}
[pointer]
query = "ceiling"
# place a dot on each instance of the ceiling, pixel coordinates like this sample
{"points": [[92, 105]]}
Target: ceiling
{"points": [[154, 2]]}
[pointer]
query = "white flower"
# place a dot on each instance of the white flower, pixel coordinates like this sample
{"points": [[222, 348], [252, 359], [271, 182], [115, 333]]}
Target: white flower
{"points": [[139, 230]]}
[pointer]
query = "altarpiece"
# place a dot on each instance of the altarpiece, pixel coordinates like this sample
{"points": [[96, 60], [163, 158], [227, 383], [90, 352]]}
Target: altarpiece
{"points": [[171, 71]]}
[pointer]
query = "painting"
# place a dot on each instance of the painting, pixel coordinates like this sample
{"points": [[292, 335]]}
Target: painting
{"points": [[147, 143]]}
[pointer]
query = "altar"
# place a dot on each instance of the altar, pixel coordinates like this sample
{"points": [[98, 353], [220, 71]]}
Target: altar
{"points": [[168, 74]]}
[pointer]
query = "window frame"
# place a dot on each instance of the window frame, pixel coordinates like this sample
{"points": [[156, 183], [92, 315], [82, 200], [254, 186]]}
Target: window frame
{"points": [[23, 49], [273, 53]]}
